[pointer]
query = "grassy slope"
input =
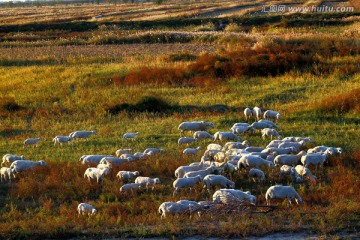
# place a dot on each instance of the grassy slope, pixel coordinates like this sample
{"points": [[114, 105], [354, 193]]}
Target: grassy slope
{"points": [[61, 98]]}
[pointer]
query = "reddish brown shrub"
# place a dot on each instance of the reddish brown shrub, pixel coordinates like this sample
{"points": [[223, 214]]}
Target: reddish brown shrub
{"points": [[341, 103]]}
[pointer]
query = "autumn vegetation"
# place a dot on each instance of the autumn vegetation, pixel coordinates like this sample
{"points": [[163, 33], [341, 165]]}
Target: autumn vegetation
{"points": [[148, 67]]}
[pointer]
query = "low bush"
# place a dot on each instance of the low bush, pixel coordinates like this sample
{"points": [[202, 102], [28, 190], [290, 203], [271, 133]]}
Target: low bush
{"points": [[341, 103]]}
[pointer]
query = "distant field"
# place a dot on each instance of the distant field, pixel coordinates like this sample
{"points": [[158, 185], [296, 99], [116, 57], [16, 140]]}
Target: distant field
{"points": [[146, 68]]}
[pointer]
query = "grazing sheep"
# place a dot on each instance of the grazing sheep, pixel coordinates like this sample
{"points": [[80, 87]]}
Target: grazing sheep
{"points": [[81, 134], [85, 208], [266, 132], [186, 140], [256, 174], [288, 159], [260, 125], [241, 129], [9, 158], [31, 141], [96, 173], [281, 192], [140, 155], [275, 144], [247, 113], [191, 151], [236, 145], [228, 196], [62, 139], [189, 182], [287, 150], [104, 164], [129, 187], [223, 136], [305, 139], [257, 113], [126, 176], [203, 135], [180, 171], [210, 154], [314, 159], [92, 159], [286, 170], [153, 151], [6, 174], [194, 126], [130, 135], [172, 208], [322, 149], [289, 139], [304, 172], [147, 182], [254, 149], [25, 165], [214, 146], [270, 114], [296, 145], [128, 157], [113, 161], [270, 123], [201, 173], [119, 152], [253, 161], [212, 180]]}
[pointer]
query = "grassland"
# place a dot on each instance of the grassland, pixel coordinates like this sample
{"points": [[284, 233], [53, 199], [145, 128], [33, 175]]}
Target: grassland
{"points": [[62, 71]]}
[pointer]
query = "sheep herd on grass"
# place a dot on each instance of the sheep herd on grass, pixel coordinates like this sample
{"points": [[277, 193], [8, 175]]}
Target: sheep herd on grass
{"points": [[221, 159]]}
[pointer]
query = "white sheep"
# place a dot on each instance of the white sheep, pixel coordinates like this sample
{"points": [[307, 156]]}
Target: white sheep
{"points": [[288, 159], [236, 145], [147, 182], [104, 164], [6, 174], [210, 154], [141, 155], [314, 159], [131, 136], [194, 206], [260, 125], [31, 141], [254, 149], [286, 170], [153, 151], [247, 113], [281, 192], [270, 114], [212, 180], [256, 174], [96, 173], [194, 126], [253, 161], [119, 152], [9, 158], [241, 129], [186, 140], [228, 196], [81, 134], [203, 135], [257, 112], [191, 151], [172, 208], [92, 159], [287, 150], [296, 145], [62, 139], [128, 157], [25, 165], [322, 149], [269, 132], [128, 187], [305, 139], [189, 182], [85, 208], [201, 173], [270, 123], [223, 136], [126, 176], [113, 161], [214, 146], [180, 171], [304, 172]]}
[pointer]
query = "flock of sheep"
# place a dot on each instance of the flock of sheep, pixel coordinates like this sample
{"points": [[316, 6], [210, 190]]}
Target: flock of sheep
{"points": [[217, 162]]}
